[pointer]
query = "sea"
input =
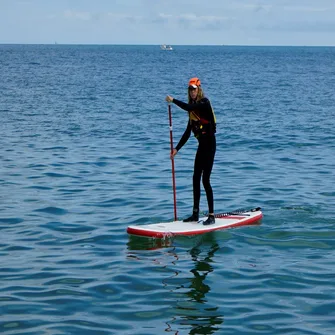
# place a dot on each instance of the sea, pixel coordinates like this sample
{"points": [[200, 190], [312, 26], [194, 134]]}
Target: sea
{"points": [[85, 152]]}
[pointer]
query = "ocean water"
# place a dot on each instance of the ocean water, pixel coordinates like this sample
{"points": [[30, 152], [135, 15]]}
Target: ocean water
{"points": [[84, 151]]}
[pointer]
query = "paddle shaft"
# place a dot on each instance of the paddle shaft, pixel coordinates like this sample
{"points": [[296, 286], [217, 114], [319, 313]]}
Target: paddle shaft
{"points": [[172, 162]]}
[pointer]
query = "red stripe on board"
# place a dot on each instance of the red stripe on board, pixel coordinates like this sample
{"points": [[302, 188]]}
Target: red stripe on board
{"points": [[231, 217], [140, 232]]}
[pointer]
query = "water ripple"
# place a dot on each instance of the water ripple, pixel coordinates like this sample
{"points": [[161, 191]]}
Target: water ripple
{"points": [[83, 159]]}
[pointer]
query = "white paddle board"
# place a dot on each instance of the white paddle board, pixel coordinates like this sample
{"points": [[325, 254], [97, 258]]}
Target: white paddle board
{"points": [[174, 228]]}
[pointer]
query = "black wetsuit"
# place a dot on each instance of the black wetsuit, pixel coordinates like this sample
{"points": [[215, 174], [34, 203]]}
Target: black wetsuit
{"points": [[203, 124]]}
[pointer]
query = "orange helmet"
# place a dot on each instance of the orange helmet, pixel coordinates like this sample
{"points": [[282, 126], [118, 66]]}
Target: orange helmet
{"points": [[194, 82]]}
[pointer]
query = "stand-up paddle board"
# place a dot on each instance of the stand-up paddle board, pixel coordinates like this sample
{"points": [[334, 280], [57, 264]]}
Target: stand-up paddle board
{"points": [[174, 228]]}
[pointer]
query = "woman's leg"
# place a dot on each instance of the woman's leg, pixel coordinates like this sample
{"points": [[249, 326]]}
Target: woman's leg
{"points": [[196, 187], [207, 170], [196, 180]]}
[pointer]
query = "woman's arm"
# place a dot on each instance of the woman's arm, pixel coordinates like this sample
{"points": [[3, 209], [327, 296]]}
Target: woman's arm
{"points": [[201, 105], [185, 137]]}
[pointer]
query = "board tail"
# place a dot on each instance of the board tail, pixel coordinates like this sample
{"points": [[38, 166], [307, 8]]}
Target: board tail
{"points": [[243, 212]]}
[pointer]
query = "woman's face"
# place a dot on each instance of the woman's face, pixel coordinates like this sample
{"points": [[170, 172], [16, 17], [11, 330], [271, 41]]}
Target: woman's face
{"points": [[193, 92]]}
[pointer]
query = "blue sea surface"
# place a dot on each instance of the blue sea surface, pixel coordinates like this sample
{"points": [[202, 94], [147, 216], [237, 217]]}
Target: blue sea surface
{"points": [[84, 152]]}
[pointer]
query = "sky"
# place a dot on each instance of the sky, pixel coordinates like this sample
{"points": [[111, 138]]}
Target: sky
{"points": [[175, 22]]}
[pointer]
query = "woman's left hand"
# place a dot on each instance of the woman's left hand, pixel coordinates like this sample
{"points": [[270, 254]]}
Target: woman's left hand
{"points": [[169, 98], [173, 153]]}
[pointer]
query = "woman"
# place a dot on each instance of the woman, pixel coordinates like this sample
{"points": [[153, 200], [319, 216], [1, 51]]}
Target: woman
{"points": [[202, 123]]}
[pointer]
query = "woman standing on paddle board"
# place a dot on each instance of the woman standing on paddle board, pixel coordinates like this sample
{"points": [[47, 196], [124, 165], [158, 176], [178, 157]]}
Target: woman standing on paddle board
{"points": [[202, 123]]}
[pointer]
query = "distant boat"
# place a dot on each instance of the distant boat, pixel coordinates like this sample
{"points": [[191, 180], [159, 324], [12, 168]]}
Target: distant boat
{"points": [[166, 47]]}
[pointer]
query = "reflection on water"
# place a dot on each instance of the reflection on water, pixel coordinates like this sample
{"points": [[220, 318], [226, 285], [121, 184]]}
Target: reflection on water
{"points": [[191, 308], [195, 309], [145, 243]]}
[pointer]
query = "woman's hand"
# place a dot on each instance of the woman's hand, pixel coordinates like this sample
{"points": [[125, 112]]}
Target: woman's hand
{"points": [[169, 98], [173, 153]]}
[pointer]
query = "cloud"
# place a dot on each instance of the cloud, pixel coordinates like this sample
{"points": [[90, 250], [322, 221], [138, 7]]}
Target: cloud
{"points": [[191, 20], [100, 16], [299, 27], [125, 17], [185, 21], [84, 16], [306, 9], [256, 7], [278, 7]]}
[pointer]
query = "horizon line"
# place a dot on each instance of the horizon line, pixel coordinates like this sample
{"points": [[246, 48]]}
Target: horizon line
{"points": [[182, 45]]}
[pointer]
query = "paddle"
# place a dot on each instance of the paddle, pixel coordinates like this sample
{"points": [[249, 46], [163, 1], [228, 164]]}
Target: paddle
{"points": [[172, 162]]}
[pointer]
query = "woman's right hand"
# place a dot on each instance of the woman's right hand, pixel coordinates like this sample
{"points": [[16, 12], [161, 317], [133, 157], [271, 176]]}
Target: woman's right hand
{"points": [[169, 99], [173, 153]]}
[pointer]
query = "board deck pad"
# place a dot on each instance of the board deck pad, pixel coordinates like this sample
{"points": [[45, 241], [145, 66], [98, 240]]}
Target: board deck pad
{"points": [[175, 228]]}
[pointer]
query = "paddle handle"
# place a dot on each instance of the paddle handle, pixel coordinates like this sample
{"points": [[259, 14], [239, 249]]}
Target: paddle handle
{"points": [[172, 162]]}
